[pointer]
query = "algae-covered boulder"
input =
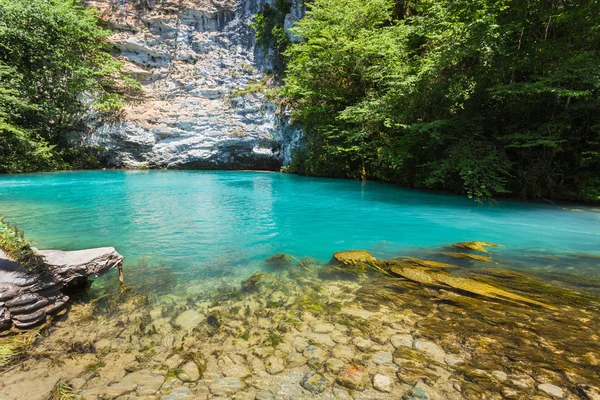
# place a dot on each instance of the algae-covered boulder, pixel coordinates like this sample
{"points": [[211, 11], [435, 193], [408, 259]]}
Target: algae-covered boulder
{"points": [[251, 284], [462, 284], [348, 265], [279, 260], [475, 246], [415, 262], [353, 257], [467, 256]]}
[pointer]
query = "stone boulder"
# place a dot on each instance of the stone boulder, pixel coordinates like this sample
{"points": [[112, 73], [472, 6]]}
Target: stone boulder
{"points": [[71, 266], [28, 297]]}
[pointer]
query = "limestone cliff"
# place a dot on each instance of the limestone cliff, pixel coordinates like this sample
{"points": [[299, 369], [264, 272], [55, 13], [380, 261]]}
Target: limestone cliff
{"points": [[203, 81]]}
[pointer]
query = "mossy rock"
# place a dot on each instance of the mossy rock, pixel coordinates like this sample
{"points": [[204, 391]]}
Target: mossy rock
{"points": [[251, 284], [279, 260], [462, 284], [353, 257], [467, 256], [415, 262], [333, 272], [475, 246]]}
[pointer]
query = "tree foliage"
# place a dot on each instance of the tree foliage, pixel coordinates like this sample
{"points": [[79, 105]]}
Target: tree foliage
{"points": [[53, 55], [483, 97]]}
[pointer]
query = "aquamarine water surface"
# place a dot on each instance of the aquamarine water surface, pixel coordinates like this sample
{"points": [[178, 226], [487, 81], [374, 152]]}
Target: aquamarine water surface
{"points": [[189, 219]]}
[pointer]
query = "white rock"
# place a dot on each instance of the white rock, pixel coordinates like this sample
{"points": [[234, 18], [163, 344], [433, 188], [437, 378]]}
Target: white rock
{"points": [[189, 319], [551, 390], [501, 376], [382, 383]]}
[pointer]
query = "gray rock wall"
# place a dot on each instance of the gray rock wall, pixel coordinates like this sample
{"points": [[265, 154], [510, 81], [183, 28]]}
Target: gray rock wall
{"points": [[204, 102]]}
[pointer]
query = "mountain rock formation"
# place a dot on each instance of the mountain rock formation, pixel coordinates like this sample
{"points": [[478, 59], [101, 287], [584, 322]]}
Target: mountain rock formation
{"points": [[205, 87]]}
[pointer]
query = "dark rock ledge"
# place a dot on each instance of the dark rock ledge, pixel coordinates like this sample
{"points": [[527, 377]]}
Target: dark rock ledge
{"points": [[27, 298]]}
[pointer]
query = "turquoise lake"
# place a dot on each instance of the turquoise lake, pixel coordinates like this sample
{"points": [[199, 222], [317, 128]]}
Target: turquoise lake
{"points": [[222, 221]]}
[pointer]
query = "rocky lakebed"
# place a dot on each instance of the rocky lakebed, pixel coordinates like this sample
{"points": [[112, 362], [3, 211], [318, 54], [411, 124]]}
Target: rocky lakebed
{"points": [[455, 323]]}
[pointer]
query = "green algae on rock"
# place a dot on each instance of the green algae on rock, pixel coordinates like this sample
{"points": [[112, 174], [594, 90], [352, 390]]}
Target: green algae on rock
{"points": [[475, 246], [464, 284], [353, 257], [467, 256]]}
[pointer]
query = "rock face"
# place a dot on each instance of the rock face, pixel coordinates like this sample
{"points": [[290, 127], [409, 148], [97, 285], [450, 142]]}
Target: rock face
{"points": [[27, 298], [70, 266], [203, 82]]}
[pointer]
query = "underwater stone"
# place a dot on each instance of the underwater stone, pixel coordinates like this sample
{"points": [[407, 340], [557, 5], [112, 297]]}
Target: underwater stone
{"points": [[334, 365], [274, 365], [382, 359], [353, 257], [151, 385], [431, 349], [314, 382], [453, 360], [340, 339], [189, 319], [501, 376], [354, 377], [226, 386], [403, 340], [341, 394], [419, 391], [323, 328], [179, 394], [551, 390], [295, 360], [265, 395], [343, 352], [189, 372], [316, 356], [382, 383], [363, 344]]}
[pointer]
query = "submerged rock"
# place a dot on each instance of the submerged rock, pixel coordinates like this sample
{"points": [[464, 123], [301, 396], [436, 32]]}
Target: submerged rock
{"points": [[274, 365], [382, 383], [279, 260], [551, 390], [441, 279], [353, 257], [354, 377], [226, 386], [189, 319], [314, 382], [475, 246], [432, 350], [420, 391], [467, 256]]}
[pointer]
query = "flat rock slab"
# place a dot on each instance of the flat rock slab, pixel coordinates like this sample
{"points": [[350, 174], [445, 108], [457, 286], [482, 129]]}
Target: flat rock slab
{"points": [[28, 297], [70, 265]]}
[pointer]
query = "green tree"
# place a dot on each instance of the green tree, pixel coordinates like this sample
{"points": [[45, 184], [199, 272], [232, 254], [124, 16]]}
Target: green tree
{"points": [[20, 149], [474, 96], [62, 57]]}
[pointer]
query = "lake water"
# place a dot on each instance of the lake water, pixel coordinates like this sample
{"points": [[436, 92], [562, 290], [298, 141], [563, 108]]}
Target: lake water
{"points": [[200, 303], [222, 221]]}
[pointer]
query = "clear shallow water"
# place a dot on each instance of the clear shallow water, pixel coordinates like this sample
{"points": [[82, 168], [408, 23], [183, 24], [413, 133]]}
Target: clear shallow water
{"points": [[194, 220]]}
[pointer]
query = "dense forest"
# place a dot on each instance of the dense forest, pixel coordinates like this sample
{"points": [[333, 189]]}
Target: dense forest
{"points": [[53, 55], [484, 97]]}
